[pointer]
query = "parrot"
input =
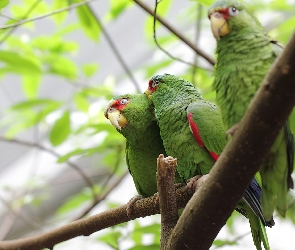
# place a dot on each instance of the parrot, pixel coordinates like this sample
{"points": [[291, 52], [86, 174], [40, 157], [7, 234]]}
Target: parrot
{"points": [[192, 130], [244, 55], [133, 117]]}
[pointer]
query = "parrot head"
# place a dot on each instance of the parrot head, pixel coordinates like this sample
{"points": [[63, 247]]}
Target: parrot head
{"points": [[130, 112], [154, 84], [113, 112], [230, 16], [168, 83]]}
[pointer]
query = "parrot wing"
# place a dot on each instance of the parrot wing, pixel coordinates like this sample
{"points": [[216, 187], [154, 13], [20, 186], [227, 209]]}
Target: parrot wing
{"points": [[207, 127]]}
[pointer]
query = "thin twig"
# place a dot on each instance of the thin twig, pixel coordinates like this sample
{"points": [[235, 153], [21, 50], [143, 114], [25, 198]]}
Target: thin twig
{"points": [[160, 47], [52, 152], [176, 32], [70, 7], [16, 212], [101, 197], [33, 6], [116, 51]]}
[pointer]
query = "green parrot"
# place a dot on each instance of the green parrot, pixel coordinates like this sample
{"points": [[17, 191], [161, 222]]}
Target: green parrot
{"points": [[192, 131], [244, 55], [133, 116]]}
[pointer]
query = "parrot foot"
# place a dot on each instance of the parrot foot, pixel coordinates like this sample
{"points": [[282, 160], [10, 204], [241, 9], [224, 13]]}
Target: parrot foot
{"points": [[196, 182], [190, 183], [130, 204], [156, 199], [232, 130]]}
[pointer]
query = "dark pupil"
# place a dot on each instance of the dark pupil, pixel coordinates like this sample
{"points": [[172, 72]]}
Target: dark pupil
{"points": [[233, 9]]}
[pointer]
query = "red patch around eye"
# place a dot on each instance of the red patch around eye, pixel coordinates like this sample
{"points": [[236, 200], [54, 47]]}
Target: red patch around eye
{"points": [[224, 12], [118, 105], [151, 88]]}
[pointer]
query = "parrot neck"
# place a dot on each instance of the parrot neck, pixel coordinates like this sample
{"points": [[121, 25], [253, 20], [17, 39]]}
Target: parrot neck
{"points": [[181, 94], [143, 136]]}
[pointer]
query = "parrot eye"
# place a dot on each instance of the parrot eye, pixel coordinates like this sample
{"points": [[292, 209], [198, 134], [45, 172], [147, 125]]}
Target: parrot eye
{"points": [[154, 83], [233, 11], [123, 101]]}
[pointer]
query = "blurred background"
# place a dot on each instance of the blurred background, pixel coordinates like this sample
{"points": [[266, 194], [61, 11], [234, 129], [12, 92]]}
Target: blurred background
{"points": [[59, 66]]}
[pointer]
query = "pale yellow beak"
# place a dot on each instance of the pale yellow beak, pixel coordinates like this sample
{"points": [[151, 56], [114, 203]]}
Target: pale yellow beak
{"points": [[148, 93], [219, 25], [118, 120]]}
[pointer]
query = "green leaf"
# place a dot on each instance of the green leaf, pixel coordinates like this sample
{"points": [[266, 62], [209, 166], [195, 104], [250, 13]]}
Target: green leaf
{"points": [[147, 247], [22, 115], [221, 243], [3, 3], [117, 7], [80, 152], [54, 44], [20, 64], [74, 202], [61, 129], [205, 2], [81, 102], [31, 83], [34, 103], [90, 69], [61, 66], [111, 239], [89, 23], [59, 4]]}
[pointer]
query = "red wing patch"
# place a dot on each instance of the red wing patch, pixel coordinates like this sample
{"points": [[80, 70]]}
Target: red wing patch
{"points": [[195, 131]]}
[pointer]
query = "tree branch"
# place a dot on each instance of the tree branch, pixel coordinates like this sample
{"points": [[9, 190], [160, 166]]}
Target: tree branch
{"points": [[207, 211], [84, 227], [101, 197], [52, 152], [116, 51], [166, 168], [70, 7], [160, 47], [176, 32]]}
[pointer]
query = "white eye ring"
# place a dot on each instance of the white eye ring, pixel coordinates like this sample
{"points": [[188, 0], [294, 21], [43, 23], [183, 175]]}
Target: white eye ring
{"points": [[155, 84], [123, 101], [233, 11]]}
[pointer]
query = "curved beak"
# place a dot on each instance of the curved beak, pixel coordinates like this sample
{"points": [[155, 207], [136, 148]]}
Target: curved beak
{"points": [[219, 24], [116, 118], [148, 93]]}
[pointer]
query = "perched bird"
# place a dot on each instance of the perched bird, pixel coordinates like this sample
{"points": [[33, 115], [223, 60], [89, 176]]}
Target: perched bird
{"points": [[192, 131], [133, 116], [244, 55]]}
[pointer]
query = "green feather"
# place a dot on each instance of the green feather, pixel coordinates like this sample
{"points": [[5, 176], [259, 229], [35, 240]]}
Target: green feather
{"points": [[143, 142], [244, 57], [174, 99]]}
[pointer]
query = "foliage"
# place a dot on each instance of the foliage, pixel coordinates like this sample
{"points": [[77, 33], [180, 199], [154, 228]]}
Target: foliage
{"points": [[62, 94]]}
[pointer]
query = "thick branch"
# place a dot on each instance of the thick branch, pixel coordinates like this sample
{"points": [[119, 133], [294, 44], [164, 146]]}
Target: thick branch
{"points": [[176, 32], [208, 211], [168, 207], [142, 208]]}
